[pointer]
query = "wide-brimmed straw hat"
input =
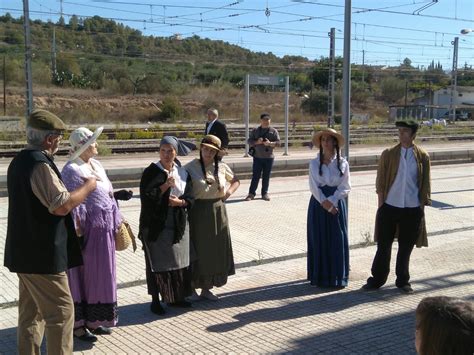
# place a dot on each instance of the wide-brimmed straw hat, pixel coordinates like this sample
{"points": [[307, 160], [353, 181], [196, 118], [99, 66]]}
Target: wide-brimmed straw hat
{"points": [[331, 132], [81, 139], [211, 141]]}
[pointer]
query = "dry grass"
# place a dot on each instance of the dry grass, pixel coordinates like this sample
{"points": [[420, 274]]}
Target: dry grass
{"points": [[78, 106]]}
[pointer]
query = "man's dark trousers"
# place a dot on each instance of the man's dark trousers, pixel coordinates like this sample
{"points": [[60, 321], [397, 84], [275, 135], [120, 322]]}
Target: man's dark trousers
{"points": [[261, 167], [409, 220]]}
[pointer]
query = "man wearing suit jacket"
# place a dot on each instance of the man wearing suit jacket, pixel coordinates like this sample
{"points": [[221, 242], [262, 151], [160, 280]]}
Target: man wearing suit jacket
{"points": [[218, 129]]}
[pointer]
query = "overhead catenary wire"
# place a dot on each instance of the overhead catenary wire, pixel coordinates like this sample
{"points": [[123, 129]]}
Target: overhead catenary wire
{"points": [[429, 50]]}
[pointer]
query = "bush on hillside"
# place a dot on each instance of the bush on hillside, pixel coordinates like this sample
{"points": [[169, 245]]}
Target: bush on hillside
{"points": [[171, 109]]}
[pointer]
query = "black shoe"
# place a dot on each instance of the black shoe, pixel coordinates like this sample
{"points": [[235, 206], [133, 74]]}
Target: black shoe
{"points": [[156, 308], [181, 304], [84, 334], [101, 330], [265, 197], [249, 197], [369, 287], [406, 289]]}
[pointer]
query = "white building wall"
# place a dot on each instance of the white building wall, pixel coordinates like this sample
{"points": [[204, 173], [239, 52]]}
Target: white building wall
{"points": [[463, 96]]}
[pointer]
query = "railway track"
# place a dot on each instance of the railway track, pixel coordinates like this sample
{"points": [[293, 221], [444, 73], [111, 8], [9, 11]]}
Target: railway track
{"points": [[121, 141]]}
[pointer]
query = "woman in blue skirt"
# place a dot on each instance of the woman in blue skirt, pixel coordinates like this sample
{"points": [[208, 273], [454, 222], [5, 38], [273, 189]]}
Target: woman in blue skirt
{"points": [[329, 182]]}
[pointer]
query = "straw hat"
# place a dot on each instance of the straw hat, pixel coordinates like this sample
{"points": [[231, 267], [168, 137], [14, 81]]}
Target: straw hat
{"points": [[328, 131], [81, 139], [211, 141]]}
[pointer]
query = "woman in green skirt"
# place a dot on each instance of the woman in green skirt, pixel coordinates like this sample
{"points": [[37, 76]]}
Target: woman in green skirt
{"points": [[208, 224]]}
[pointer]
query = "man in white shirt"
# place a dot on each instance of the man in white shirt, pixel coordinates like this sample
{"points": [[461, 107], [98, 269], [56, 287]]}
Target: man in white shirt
{"points": [[403, 189]]}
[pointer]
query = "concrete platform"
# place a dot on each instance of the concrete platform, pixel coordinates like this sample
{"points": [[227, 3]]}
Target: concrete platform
{"points": [[268, 306]]}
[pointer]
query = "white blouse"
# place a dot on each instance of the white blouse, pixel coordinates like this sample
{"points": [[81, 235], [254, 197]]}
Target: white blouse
{"points": [[180, 177], [330, 177]]}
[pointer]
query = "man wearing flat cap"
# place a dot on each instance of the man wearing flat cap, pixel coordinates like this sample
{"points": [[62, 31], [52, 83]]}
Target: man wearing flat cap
{"points": [[403, 189], [41, 242], [217, 128]]}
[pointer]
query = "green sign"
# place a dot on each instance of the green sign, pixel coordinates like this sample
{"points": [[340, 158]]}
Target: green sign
{"points": [[266, 80]]}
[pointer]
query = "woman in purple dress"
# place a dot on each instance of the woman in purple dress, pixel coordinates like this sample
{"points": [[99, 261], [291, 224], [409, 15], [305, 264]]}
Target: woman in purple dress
{"points": [[93, 285]]}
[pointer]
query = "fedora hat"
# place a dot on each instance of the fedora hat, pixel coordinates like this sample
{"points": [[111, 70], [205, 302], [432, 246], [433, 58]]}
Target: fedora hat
{"points": [[80, 139], [331, 132], [211, 141]]}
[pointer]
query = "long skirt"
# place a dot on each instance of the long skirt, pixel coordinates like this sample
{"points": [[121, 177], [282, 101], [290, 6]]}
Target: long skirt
{"points": [[328, 246], [210, 235], [93, 285], [167, 264]]}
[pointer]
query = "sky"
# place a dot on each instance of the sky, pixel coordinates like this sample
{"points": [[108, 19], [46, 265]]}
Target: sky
{"points": [[383, 32]]}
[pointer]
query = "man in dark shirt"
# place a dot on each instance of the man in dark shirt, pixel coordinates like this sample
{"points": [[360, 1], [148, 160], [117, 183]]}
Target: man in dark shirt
{"points": [[41, 241], [263, 140], [217, 128]]}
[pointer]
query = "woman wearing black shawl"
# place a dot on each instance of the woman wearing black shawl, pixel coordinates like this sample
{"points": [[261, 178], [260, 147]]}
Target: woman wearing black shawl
{"points": [[166, 195]]}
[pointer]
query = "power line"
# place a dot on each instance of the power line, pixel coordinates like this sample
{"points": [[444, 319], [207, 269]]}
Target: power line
{"points": [[268, 29]]}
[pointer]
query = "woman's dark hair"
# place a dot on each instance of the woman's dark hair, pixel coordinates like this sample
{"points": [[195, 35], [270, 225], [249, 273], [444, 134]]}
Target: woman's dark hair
{"points": [[216, 170], [445, 326], [321, 156]]}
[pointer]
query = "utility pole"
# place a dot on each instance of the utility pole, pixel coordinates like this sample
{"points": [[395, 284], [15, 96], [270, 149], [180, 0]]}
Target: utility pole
{"points": [[363, 65], [247, 113], [346, 88], [406, 99], [454, 79], [287, 111], [28, 78], [346, 77], [332, 76], [430, 100], [4, 86], [53, 52]]}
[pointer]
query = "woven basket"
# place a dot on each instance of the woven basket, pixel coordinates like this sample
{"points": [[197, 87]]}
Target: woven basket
{"points": [[124, 237]]}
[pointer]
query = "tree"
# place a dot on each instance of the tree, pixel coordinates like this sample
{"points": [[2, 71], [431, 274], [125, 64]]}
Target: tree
{"points": [[435, 73], [61, 22], [67, 63], [170, 109], [13, 36], [392, 89], [405, 70], [466, 76], [320, 73], [74, 23], [406, 63]]}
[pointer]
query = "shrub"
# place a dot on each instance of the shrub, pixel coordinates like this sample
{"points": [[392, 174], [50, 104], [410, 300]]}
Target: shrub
{"points": [[317, 103], [104, 150], [170, 109], [123, 135], [141, 134], [393, 89]]}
